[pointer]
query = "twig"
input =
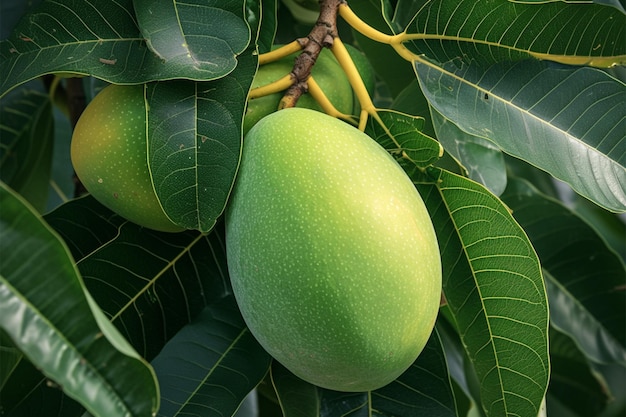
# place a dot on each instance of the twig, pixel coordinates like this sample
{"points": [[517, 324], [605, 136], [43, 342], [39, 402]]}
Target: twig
{"points": [[321, 36]]}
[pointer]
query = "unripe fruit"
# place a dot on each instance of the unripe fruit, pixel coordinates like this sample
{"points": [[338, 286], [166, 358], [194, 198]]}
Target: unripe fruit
{"points": [[327, 73], [109, 154], [332, 255]]}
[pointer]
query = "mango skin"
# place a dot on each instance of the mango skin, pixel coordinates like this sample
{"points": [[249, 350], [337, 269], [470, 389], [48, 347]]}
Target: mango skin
{"points": [[109, 154], [326, 71], [332, 255]]}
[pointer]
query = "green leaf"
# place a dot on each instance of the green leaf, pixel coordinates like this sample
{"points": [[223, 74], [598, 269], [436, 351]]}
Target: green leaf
{"points": [[482, 159], [401, 135], [502, 30], [423, 389], [586, 281], [493, 285], [566, 121], [263, 16], [210, 366], [297, 398], [149, 301], [26, 138], [103, 41], [194, 143], [198, 37], [41, 298], [573, 381]]}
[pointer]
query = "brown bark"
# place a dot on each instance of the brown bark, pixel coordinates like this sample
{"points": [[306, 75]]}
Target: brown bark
{"points": [[321, 36]]}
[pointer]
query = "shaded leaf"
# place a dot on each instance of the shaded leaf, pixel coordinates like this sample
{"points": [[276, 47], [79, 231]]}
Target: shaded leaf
{"points": [[567, 121], [586, 281], [263, 16], [297, 398], [573, 381], [500, 30], [197, 37], [493, 285], [26, 138], [194, 143], [482, 159], [61, 329], [423, 389], [401, 135], [211, 365], [103, 41]]}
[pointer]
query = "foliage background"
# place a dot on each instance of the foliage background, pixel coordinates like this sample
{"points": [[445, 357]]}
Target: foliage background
{"points": [[509, 124]]}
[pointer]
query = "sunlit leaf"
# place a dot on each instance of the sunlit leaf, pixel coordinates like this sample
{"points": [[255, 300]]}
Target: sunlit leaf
{"points": [[567, 121], [202, 37], [194, 143], [495, 30], [210, 366], [586, 281], [103, 40], [493, 285], [401, 135], [57, 325]]}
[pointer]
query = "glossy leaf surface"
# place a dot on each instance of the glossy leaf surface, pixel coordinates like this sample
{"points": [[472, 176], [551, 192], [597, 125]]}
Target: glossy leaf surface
{"points": [[493, 285], [567, 121], [88, 357]]}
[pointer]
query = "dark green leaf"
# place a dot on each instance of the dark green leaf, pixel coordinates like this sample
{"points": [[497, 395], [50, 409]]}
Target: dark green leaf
{"points": [[50, 317], [500, 30], [197, 37], [567, 121], [401, 135], [493, 285], [262, 15], [101, 40], [210, 366], [573, 381], [194, 143], [423, 389], [26, 138], [297, 398], [586, 281]]}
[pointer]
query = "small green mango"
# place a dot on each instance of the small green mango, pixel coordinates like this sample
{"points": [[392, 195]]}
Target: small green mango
{"points": [[109, 155], [332, 255]]}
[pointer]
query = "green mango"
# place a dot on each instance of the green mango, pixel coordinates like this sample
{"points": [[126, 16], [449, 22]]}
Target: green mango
{"points": [[109, 154], [332, 255]]}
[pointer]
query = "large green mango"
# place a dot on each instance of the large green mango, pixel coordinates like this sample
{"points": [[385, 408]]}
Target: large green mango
{"points": [[332, 255]]}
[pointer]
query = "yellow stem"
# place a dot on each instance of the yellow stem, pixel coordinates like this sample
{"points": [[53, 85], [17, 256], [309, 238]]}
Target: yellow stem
{"points": [[316, 92], [274, 87], [280, 53], [360, 26]]}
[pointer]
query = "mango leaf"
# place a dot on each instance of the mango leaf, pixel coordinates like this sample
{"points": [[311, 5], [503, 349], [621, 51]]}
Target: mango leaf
{"points": [[104, 41], [586, 281], [194, 143], [297, 398], [501, 30], [151, 300], [482, 159], [401, 135], [494, 288], [210, 366], [566, 121], [263, 16], [573, 381], [26, 138], [87, 357], [191, 35], [423, 389]]}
